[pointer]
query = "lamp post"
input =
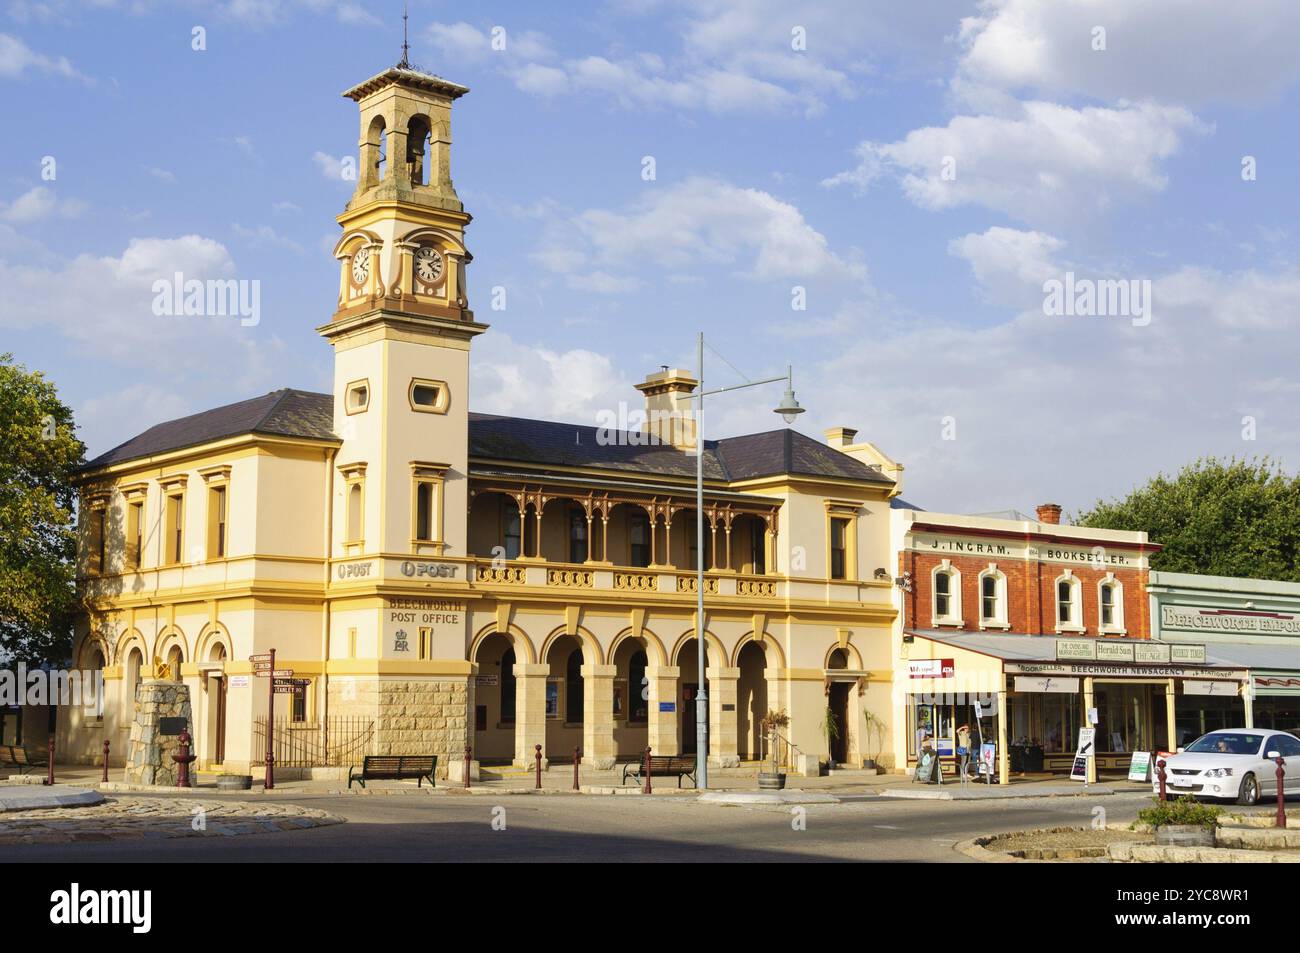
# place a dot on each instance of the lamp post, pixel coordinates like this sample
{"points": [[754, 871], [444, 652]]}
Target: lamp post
{"points": [[789, 409]]}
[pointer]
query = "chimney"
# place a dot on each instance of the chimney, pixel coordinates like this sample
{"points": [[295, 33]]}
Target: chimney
{"points": [[1049, 513], [669, 416], [840, 437]]}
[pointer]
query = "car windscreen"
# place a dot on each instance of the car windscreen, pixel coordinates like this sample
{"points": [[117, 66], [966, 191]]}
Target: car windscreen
{"points": [[1225, 742]]}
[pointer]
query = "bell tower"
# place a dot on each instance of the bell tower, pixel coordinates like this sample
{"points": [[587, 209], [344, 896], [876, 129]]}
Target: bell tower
{"points": [[402, 328]]}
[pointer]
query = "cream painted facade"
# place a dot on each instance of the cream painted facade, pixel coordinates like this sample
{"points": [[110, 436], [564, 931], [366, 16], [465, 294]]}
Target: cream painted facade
{"points": [[432, 573]]}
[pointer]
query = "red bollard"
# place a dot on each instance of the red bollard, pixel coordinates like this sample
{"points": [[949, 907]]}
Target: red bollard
{"points": [[183, 758], [105, 760], [468, 759], [49, 774], [645, 787], [1281, 793], [577, 758], [1160, 772], [539, 767]]}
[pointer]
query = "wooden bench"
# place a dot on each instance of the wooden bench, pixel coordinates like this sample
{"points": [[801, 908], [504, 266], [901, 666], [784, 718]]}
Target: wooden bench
{"points": [[662, 766], [21, 758], [395, 767]]}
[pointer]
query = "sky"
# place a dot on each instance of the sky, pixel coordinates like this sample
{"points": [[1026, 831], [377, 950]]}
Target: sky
{"points": [[889, 196]]}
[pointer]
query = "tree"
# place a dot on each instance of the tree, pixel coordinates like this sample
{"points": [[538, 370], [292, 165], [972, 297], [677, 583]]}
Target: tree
{"points": [[1217, 517], [39, 451]]}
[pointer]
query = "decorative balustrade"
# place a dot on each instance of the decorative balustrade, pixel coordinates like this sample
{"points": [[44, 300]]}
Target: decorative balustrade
{"points": [[576, 578], [636, 581], [501, 575], [763, 588], [691, 584]]}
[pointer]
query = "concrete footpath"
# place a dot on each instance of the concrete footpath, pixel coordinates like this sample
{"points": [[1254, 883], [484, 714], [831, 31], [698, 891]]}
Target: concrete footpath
{"points": [[724, 787]]}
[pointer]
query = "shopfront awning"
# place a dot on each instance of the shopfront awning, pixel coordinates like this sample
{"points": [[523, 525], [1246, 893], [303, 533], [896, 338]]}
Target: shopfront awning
{"points": [[1039, 655], [1274, 669]]}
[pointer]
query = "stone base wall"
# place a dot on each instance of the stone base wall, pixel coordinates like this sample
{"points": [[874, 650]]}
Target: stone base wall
{"points": [[423, 716], [148, 753], [411, 715]]}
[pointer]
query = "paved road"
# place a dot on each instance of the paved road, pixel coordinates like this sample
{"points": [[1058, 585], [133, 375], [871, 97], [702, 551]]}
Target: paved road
{"points": [[571, 828]]}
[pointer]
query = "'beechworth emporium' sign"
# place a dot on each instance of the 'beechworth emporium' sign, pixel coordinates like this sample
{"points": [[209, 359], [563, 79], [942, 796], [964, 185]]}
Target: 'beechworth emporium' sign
{"points": [[1229, 621]]}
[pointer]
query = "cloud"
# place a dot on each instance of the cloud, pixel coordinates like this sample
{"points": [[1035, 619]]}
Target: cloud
{"points": [[17, 59], [1175, 51], [699, 222], [38, 204], [263, 235], [1070, 408], [335, 169], [162, 175], [1046, 163], [102, 307], [539, 382], [1010, 265]]}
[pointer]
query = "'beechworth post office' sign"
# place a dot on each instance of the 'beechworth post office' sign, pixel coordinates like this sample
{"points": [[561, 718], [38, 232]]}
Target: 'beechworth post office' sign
{"points": [[405, 618]]}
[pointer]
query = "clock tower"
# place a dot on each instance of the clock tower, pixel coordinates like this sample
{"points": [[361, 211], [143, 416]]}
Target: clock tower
{"points": [[402, 328]]}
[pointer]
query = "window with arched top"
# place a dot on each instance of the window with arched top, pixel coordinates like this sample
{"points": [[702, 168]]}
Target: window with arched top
{"points": [[993, 599], [946, 586], [417, 143], [1110, 606], [1069, 604], [373, 158]]}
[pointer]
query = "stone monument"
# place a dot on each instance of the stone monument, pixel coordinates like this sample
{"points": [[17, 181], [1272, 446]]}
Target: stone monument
{"points": [[162, 709]]}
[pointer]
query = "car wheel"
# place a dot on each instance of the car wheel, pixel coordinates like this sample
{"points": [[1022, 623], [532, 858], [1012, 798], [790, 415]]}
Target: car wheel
{"points": [[1249, 793]]}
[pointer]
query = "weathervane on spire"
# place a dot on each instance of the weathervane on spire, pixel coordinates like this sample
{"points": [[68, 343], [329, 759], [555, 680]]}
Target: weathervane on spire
{"points": [[406, 47]]}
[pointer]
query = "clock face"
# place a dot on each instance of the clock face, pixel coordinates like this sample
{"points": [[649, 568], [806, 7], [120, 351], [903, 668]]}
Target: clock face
{"points": [[428, 265], [361, 266]]}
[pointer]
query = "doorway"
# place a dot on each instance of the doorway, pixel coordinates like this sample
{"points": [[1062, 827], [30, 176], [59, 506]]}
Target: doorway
{"points": [[838, 706]]}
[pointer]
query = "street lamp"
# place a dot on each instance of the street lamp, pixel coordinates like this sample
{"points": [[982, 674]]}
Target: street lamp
{"points": [[789, 409]]}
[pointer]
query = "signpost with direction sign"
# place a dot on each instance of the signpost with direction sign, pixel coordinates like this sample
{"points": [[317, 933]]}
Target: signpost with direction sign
{"points": [[263, 666]]}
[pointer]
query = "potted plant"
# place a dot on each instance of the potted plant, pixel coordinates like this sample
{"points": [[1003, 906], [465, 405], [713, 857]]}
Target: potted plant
{"points": [[1185, 822], [773, 779], [875, 734], [830, 729]]}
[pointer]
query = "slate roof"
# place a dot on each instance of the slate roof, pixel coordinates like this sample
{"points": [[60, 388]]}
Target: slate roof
{"points": [[304, 414], [286, 413]]}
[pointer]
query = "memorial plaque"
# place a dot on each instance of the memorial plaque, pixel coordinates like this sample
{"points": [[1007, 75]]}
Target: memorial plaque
{"points": [[171, 726]]}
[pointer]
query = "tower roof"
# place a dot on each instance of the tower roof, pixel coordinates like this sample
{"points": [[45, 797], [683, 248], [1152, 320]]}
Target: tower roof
{"points": [[409, 76]]}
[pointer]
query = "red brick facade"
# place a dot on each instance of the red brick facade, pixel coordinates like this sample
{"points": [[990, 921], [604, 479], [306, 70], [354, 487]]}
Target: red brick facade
{"points": [[1030, 580]]}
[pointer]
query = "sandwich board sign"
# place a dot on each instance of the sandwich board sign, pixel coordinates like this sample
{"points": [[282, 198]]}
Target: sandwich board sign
{"points": [[1139, 769], [1079, 770]]}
